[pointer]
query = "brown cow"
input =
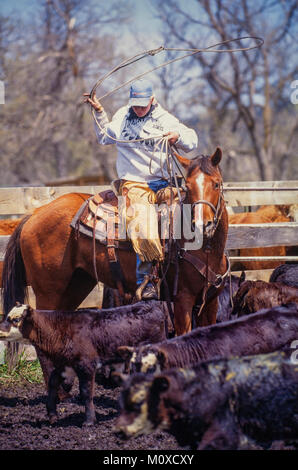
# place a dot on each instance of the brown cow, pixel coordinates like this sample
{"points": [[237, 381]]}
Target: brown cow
{"points": [[265, 214], [256, 295], [80, 340], [262, 332], [7, 226]]}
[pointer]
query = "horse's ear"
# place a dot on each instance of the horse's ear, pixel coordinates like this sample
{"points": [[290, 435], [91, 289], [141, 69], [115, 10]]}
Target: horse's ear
{"points": [[185, 162], [216, 157]]}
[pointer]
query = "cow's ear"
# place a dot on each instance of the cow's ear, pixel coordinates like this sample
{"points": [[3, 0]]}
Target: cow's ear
{"points": [[160, 384], [241, 278], [216, 157], [125, 352]]}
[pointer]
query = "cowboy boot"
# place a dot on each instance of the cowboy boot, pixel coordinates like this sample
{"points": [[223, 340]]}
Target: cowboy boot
{"points": [[146, 289]]}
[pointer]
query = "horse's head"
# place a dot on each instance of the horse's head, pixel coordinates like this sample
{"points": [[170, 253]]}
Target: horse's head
{"points": [[205, 190]]}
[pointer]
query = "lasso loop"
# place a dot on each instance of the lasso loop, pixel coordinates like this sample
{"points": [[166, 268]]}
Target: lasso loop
{"points": [[161, 140], [213, 48]]}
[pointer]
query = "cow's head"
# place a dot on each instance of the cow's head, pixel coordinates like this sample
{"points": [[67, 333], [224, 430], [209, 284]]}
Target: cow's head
{"points": [[133, 419], [10, 328], [149, 402], [147, 359], [166, 398], [240, 306]]}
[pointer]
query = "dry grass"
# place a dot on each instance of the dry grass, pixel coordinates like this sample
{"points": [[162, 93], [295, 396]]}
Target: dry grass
{"points": [[23, 371]]}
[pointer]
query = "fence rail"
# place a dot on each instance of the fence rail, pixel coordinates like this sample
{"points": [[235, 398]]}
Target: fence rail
{"points": [[239, 236], [21, 200]]}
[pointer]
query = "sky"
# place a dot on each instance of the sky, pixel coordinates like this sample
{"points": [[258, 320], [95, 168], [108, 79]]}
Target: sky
{"points": [[141, 11], [142, 28], [9, 6]]}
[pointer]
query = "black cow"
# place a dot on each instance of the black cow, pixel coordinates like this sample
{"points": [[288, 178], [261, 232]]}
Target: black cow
{"points": [[256, 295], [286, 274], [259, 333], [78, 341], [225, 298], [238, 403]]}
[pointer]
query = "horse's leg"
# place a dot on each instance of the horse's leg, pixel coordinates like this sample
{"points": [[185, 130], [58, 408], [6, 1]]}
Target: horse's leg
{"points": [[183, 305], [80, 285], [208, 314], [67, 297]]}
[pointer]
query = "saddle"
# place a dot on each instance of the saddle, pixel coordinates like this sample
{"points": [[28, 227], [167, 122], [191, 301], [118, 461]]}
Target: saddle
{"points": [[99, 219]]}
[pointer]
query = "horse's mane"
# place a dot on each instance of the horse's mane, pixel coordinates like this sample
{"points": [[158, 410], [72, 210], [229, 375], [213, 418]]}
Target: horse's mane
{"points": [[203, 162]]}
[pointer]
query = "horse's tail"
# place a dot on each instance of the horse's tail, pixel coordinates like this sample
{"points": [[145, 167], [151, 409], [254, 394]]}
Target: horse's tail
{"points": [[14, 284]]}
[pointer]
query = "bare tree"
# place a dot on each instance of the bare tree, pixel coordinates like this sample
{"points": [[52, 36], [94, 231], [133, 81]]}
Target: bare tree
{"points": [[245, 89], [48, 130]]}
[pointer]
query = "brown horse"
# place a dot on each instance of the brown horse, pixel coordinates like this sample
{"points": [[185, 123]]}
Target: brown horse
{"points": [[45, 253]]}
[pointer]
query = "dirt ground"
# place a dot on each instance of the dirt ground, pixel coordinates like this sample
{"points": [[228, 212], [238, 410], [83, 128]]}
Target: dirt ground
{"points": [[24, 423]]}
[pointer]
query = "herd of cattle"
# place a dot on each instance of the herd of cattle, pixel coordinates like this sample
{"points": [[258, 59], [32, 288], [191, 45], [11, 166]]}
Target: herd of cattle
{"points": [[231, 385]]}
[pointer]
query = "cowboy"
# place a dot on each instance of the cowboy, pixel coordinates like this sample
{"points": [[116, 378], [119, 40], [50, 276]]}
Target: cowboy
{"points": [[142, 167]]}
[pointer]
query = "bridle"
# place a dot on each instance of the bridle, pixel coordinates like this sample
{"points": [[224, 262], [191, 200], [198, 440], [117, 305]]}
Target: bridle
{"points": [[212, 281], [218, 210]]}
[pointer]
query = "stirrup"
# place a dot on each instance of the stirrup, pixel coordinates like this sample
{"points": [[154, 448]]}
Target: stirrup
{"points": [[141, 288]]}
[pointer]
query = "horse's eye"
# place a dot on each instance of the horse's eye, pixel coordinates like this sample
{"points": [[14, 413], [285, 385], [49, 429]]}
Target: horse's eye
{"points": [[216, 185]]}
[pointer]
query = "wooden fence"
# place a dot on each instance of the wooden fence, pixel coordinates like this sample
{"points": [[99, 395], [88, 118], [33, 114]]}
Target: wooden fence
{"points": [[21, 200]]}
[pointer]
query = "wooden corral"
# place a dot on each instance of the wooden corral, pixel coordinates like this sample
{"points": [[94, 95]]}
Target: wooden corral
{"points": [[22, 200]]}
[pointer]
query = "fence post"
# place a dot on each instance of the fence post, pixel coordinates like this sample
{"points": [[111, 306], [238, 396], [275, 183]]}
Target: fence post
{"points": [[12, 353]]}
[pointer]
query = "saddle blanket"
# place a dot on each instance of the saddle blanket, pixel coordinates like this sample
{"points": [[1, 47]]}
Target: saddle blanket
{"points": [[98, 218]]}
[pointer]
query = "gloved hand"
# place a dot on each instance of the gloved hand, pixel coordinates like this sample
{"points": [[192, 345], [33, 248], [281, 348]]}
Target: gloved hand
{"points": [[94, 102], [172, 137]]}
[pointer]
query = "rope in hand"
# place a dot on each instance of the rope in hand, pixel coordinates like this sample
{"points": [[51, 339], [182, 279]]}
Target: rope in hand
{"points": [[190, 52], [162, 140]]}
